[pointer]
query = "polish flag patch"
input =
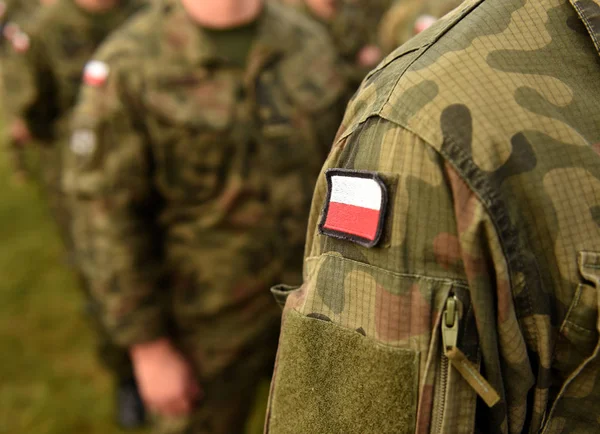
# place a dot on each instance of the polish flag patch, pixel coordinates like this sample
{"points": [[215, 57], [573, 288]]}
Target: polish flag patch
{"points": [[355, 207], [95, 73]]}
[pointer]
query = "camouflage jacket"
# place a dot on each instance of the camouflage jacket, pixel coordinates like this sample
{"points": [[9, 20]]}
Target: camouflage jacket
{"points": [[188, 169], [44, 71], [467, 262]]}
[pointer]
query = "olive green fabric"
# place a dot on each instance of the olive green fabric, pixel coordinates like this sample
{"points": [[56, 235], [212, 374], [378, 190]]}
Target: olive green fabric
{"points": [[234, 44], [336, 381], [490, 120]]}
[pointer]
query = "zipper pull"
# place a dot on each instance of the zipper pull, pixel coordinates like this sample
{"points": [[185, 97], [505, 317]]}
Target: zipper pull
{"points": [[470, 372], [450, 324]]}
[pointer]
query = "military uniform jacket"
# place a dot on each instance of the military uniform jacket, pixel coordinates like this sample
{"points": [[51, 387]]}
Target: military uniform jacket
{"points": [[465, 299], [45, 68], [188, 168]]}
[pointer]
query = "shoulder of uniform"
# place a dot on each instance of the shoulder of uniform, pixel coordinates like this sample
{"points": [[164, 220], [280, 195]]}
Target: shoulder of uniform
{"points": [[388, 90]]}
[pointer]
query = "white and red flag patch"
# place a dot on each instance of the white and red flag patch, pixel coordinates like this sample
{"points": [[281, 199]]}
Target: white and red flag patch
{"points": [[95, 73], [355, 207]]}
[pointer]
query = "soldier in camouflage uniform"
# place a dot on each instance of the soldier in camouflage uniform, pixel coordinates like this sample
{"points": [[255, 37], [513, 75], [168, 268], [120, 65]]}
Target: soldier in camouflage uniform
{"points": [[452, 272], [13, 15], [196, 145], [43, 77]]}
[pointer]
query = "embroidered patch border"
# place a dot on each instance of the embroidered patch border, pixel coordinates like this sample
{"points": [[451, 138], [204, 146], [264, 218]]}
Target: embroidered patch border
{"points": [[347, 233]]}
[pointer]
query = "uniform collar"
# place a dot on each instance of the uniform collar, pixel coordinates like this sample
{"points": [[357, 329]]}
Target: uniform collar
{"points": [[589, 12], [185, 39]]}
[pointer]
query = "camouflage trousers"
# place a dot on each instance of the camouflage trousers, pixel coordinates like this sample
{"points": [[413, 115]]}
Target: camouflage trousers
{"points": [[230, 396], [112, 357]]}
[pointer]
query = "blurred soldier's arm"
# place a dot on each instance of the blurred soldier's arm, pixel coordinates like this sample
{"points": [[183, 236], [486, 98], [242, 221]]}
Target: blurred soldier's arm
{"points": [[109, 178], [27, 92], [325, 107], [15, 88]]}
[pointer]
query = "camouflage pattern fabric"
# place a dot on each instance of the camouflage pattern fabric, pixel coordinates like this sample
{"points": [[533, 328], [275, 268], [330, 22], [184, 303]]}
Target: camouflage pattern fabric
{"points": [[42, 79], [192, 177], [484, 130]]}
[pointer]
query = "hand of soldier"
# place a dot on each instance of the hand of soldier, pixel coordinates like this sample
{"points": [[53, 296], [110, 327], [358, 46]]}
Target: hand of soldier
{"points": [[165, 379], [19, 132], [369, 56]]}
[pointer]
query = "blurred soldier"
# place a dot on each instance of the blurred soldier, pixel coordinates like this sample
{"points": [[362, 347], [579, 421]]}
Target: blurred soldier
{"points": [[43, 77], [13, 15], [352, 26], [452, 272], [197, 141]]}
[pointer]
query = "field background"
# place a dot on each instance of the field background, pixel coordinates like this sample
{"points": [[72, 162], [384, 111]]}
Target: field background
{"points": [[50, 382]]}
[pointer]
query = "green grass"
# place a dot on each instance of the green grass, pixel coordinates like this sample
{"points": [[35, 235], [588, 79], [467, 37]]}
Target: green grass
{"points": [[50, 382]]}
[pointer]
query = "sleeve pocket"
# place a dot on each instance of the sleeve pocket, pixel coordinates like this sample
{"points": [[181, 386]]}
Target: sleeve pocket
{"points": [[326, 388]]}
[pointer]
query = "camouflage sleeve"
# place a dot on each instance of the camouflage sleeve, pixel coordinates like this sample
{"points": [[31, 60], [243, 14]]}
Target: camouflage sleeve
{"points": [[108, 177], [437, 243]]}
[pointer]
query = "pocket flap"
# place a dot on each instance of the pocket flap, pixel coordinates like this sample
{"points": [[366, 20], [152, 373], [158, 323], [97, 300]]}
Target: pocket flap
{"points": [[333, 380]]}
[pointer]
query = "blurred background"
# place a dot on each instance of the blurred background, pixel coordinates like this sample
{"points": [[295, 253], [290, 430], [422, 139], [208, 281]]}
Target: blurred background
{"points": [[50, 381]]}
